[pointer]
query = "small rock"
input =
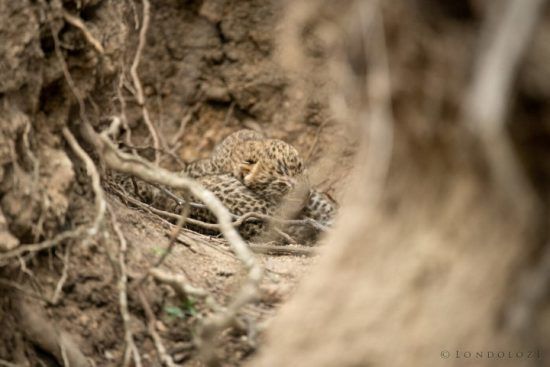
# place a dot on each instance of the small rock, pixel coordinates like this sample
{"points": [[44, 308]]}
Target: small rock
{"points": [[161, 327], [231, 55], [216, 93], [212, 10], [148, 90], [84, 320]]}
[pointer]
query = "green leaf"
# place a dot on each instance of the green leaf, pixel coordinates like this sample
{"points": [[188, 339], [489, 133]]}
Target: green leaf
{"points": [[174, 311], [159, 251], [189, 306]]}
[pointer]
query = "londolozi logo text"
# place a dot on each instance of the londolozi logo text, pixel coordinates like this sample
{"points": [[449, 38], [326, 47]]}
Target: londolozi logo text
{"points": [[490, 354]]}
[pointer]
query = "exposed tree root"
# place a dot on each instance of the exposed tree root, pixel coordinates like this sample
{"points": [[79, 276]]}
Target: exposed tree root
{"points": [[146, 171], [130, 350]]}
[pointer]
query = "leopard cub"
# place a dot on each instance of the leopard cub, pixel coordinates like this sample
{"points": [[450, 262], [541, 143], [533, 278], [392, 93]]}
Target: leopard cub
{"points": [[268, 169]]}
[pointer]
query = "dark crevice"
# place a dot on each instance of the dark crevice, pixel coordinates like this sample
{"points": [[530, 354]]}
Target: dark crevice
{"points": [[222, 37], [462, 11], [90, 12]]}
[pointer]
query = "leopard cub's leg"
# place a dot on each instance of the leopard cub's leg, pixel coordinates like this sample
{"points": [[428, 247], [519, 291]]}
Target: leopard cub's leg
{"points": [[320, 207]]}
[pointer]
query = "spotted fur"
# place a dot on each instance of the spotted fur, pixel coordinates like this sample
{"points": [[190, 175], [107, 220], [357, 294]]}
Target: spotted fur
{"points": [[270, 168], [238, 199], [220, 160], [320, 207], [267, 166], [250, 173]]}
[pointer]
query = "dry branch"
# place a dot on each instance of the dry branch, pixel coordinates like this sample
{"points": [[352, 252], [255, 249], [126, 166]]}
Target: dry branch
{"points": [[64, 275], [78, 23], [179, 284], [32, 157], [64, 356], [130, 347], [238, 220], [316, 140], [183, 124], [66, 72], [166, 214], [123, 117], [137, 82], [485, 107], [172, 241], [91, 170], [136, 16], [282, 250], [34, 247], [23, 290], [183, 289], [151, 321], [146, 171]]}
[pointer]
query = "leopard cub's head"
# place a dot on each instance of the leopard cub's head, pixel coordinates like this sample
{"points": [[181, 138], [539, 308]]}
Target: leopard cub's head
{"points": [[268, 167]]}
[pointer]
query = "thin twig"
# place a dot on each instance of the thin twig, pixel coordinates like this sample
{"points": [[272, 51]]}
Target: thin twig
{"points": [[34, 247], [183, 124], [170, 215], [38, 228], [78, 23], [172, 241], [282, 250], [180, 285], [238, 220], [32, 277], [288, 238], [64, 275], [90, 166], [64, 355], [91, 170], [20, 288], [123, 116], [168, 152], [315, 140], [32, 157], [130, 346], [151, 321], [137, 82], [179, 200], [136, 16], [67, 74], [229, 113]]}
